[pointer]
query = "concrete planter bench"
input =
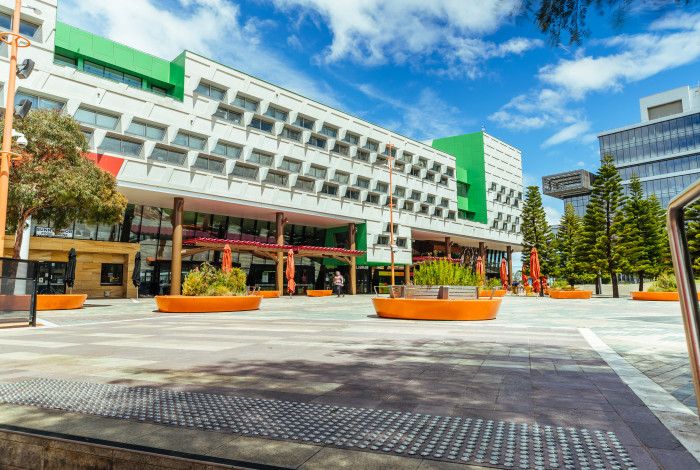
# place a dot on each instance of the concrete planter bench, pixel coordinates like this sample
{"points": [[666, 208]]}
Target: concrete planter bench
{"points": [[570, 294], [319, 293], [496, 292], [437, 309], [201, 304], [60, 301], [268, 294], [657, 296]]}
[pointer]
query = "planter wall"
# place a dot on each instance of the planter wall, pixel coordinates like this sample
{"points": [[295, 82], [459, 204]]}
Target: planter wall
{"points": [[570, 294], [319, 293], [60, 301], [201, 304], [435, 309], [268, 294], [496, 292]]}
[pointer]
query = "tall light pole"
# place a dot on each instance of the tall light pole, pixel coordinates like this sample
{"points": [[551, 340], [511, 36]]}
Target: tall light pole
{"points": [[389, 147], [15, 41]]}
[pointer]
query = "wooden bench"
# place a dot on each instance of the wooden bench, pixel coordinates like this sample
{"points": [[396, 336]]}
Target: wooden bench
{"points": [[435, 292]]}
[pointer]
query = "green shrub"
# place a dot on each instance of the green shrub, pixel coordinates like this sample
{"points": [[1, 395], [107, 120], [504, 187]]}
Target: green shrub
{"points": [[444, 273], [493, 283], [665, 282], [562, 284], [207, 280]]}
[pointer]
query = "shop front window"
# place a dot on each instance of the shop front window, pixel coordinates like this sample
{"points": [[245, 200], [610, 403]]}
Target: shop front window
{"points": [[112, 274]]}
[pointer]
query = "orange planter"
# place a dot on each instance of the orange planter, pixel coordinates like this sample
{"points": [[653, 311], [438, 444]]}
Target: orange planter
{"points": [[434, 309], [268, 294], [319, 293], [200, 304], [570, 294], [60, 301], [496, 292]]}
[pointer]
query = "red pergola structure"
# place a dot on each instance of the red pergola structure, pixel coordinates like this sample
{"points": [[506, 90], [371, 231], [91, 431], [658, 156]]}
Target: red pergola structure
{"points": [[273, 251]]}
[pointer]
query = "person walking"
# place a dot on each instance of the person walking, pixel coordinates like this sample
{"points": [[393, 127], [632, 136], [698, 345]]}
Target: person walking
{"points": [[338, 283]]}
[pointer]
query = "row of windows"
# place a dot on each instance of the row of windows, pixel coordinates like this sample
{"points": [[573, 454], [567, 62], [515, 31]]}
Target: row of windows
{"points": [[690, 162], [26, 28], [655, 149]]}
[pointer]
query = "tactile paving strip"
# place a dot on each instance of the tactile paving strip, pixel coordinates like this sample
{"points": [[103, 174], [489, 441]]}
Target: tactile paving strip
{"points": [[486, 442]]}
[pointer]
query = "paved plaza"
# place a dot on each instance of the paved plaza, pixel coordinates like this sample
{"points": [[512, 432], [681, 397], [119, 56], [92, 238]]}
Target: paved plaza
{"points": [[323, 383]]}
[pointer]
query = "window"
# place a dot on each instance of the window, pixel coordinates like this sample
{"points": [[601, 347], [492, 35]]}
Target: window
{"points": [[278, 179], [276, 113], [162, 154], [362, 182], [399, 191], [304, 122], [493, 186], [443, 180], [120, 145], [341, 177], [317, 142], [291, 134], [227, 150], [59, 59], [408, 205], [149, 131], [399, 167], [462, 214], [261, 158], [444, 202], [329, 131], [386, 151], [112, 274], [330, 189], [111, 74], [245, 171], [382, 240], [188, 140], [291, 166], [212, 91], [462, 189], [317, 172], [436, 167], [372, 198], [423, 209], [38, 102], [381, 187], [372, 145], [415, 195], [26, 28], [401, 242], [450, 172], [229, 115], [159, 90], [362, 155], [406, 157], [341, 149], [430, 199], [258, 123], [451, 215], [352, 139], [415, 171], [206, 163], [429, 176], [95, 118], [381, 160], [422, 162], [304, 184], [438, 212], [248, 104], [353, 194]]}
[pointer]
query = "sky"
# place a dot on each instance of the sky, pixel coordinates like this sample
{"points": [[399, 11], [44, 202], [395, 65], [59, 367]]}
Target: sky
{"points": [[437, 68]]}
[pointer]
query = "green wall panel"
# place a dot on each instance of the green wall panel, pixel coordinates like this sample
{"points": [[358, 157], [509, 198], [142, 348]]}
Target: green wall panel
{"points": [[470, 168], [360, 243]]}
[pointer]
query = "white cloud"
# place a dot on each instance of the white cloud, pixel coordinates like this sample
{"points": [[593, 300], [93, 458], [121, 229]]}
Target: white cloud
{"points": [[445, 36], [212, 28], [535, 110], [572, 132], [552, 214], [581, 163]]}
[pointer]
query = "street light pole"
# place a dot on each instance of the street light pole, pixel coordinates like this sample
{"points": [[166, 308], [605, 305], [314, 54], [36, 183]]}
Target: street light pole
{"points": [[13, 39], [389, 147]]}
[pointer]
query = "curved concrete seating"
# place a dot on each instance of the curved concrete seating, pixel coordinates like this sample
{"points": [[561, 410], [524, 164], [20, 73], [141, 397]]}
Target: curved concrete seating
{"points": [[319, 293], [60, 301], [201, 304], [570, 294], [268, 294], [437, 309]]}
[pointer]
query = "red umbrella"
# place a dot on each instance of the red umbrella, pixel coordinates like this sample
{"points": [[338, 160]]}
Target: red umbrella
{"points": [[535, 269], [480, 271], [226, 262], [291, 285], [504, 273]]}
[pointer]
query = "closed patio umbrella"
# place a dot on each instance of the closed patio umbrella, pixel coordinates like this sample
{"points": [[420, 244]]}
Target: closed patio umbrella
{"points": [[291, 285], [70, 269], [504, 273], [480, 271], [535, 270], [136, 274], [226, 263], [523, 275]]}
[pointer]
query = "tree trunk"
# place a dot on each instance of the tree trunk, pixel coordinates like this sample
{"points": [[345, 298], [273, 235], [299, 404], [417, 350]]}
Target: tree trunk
{"points": [[19, 234], [598, 286], [615, 289], [641, 281]]}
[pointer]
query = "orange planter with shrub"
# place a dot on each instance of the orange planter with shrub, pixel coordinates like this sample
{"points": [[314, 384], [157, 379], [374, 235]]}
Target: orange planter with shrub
{"points": [[437, 309], [207, 303], [570, 294]]}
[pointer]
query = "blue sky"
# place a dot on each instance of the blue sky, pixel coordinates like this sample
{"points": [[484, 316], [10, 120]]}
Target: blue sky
{"points": [[432, 69]]}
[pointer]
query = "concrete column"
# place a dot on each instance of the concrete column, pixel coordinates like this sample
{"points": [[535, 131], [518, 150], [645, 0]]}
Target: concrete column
{"points": [[509, 254], [352, 231], [279, 277], [448, 246], [406, 274], [176, 263]]}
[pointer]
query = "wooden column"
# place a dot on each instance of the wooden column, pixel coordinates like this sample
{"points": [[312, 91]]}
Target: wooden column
{"points": [[279, 231], [509, 254], [352, 232], [406, 274], [482, 252], [176, 258], [448, 246]]}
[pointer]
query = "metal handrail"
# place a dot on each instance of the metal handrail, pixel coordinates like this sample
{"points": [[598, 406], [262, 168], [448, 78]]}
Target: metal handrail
{"points": [[683, 267]]}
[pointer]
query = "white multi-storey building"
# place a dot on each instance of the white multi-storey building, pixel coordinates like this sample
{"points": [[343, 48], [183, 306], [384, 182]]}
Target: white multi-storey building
{"points": [[239, 150]]}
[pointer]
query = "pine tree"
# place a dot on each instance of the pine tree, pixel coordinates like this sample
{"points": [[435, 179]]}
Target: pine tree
{"points": [[642, 234], [600, 249], [536, 232], [692, 232], [567, 241]]}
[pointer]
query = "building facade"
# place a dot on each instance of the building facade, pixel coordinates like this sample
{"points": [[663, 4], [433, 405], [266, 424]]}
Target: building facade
{"points": [[238, 151], [663, 149]]}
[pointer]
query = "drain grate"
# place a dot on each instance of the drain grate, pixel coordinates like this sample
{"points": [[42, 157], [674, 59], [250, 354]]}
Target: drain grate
{"points": [[500, 444]]}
